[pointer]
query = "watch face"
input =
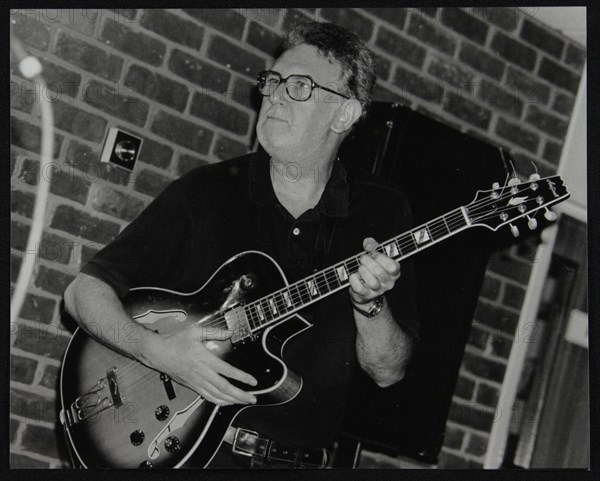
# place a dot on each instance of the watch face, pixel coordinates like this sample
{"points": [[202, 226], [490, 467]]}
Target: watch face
{"points": [[376, 307]]}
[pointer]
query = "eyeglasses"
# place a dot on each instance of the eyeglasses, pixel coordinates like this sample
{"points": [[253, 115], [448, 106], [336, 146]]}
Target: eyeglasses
{"points": [[298, 87]]}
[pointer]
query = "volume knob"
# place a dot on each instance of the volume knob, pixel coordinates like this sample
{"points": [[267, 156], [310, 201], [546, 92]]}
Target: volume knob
{"points": [[248, 282], [161, 412], [137, 437], [172, 444]]}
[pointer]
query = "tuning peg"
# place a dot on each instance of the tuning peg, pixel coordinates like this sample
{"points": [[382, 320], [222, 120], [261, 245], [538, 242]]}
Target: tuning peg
{"points": [[534, 178], [495, 188], [514, 230], [513, 183], [531, 223], [549, 215]]}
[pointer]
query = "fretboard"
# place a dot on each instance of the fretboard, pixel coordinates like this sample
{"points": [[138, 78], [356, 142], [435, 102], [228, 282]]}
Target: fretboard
{"points": [[292, 298]]}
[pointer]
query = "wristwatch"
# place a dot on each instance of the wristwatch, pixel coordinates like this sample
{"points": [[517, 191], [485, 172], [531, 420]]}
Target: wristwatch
{"points": [[374, 309]]}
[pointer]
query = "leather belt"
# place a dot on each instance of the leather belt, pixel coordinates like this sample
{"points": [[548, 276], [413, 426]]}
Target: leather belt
{"points": [[267, 451]]}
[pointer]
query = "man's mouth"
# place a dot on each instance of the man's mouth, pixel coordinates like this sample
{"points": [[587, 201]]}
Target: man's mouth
{"points": [[276, 115], [276, 118]]}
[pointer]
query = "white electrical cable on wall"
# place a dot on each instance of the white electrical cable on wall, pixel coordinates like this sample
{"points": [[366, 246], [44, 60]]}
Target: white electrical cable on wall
{"points": [[31, 68]]}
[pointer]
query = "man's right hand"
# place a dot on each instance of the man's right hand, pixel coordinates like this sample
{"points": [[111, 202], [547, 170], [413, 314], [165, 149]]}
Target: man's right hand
{"points": [[187, 357]]}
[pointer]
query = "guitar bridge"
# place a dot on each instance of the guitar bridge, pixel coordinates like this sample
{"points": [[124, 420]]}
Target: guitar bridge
{"points": [[95, 400]]}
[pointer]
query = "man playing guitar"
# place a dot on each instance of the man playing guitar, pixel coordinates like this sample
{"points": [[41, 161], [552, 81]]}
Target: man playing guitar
{"points": [[295, 202]]}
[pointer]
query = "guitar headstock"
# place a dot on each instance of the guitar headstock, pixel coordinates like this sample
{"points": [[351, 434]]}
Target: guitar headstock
{"points": [[502, 205]]}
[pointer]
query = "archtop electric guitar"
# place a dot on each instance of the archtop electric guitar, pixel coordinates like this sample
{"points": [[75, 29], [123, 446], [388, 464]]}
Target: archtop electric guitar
{"points": [[118, 413]]}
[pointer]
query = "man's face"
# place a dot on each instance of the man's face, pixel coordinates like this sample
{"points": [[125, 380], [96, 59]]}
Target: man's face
{"points": [[287, 128]]}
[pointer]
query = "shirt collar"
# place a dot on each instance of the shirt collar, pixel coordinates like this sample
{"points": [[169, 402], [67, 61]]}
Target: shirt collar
{"points": [[333, 202]]}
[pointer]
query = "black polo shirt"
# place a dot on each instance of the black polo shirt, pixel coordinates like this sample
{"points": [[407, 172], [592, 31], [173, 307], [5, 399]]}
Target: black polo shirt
{"points": [[214, 212]]}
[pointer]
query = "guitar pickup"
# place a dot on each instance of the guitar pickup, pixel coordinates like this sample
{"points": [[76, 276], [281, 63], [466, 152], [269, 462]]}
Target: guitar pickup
{"points": [[238, 323], [113, 387]]}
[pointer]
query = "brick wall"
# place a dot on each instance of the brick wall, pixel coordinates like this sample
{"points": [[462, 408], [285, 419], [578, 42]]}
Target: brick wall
{"points": [[182, 80]]}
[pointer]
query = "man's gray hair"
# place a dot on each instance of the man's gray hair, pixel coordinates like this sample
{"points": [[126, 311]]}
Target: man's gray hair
{"points": [[338, 43]]}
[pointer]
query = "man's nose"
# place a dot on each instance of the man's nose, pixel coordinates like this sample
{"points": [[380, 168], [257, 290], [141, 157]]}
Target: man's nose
{"points": [[279, 94]]}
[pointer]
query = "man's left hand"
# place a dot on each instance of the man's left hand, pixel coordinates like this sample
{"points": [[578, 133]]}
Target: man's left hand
{"points": [[376, 274]]}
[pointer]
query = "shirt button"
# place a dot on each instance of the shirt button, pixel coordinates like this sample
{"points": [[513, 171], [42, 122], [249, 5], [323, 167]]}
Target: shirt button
{"points": [[296, 231]]}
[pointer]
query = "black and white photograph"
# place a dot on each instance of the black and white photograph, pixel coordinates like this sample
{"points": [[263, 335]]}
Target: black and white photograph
{"points": [[307, 238]]}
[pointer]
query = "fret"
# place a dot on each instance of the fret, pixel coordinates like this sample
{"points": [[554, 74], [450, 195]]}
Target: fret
{"points": [[454, 220], [352, 265], [413, 245], [322, 282], [463, 220], [332, 279], [428, 227], [342, 273], [446, 224], [273, 306], [421, 236], [266, 309], [280, 303], [313, 289], [286, 297], [397, 244], [433, 228], [304, 293], [251, 316], [298, 302], [259, 311], [391, 249]]}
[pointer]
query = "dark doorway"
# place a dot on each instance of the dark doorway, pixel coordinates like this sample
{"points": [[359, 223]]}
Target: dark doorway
{"points": [[439, 169]]}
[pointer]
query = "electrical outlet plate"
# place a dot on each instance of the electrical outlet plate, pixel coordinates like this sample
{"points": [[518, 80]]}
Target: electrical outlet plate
{"points": [[121, 148]]}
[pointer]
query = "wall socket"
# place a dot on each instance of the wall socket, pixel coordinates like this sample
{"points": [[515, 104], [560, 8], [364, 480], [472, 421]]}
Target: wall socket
{"points": [[121, 148]]}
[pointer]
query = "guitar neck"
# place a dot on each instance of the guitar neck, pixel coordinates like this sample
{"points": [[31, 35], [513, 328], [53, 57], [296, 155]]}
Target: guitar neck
{"points": [[311, 289]]}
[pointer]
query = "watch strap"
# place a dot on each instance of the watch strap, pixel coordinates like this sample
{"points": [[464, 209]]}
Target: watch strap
{"points": [[373, 310]]}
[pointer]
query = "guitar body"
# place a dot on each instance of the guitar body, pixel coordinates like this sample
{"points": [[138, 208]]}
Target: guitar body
{"points": [[118, 413]]}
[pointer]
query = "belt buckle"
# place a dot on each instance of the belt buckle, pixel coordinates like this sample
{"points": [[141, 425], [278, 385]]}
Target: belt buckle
{"points": [[245, 446]]}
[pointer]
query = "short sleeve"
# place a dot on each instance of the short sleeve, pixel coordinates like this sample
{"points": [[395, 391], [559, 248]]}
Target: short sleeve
{"points": [[144, 252]]}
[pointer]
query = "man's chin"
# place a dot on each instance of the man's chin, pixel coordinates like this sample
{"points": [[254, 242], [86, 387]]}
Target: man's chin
{"points": [[273, 143], [277, 150]]}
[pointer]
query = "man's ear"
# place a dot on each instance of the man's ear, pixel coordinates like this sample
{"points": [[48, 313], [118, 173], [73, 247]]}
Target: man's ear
{"points": [[348, 113]]}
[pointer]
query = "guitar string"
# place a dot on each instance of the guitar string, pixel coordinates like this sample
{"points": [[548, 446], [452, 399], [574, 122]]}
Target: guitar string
{"points": [[280, 303], [449, 220], [294, 298], [129, 386], [324, 274], [320, 285]]}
